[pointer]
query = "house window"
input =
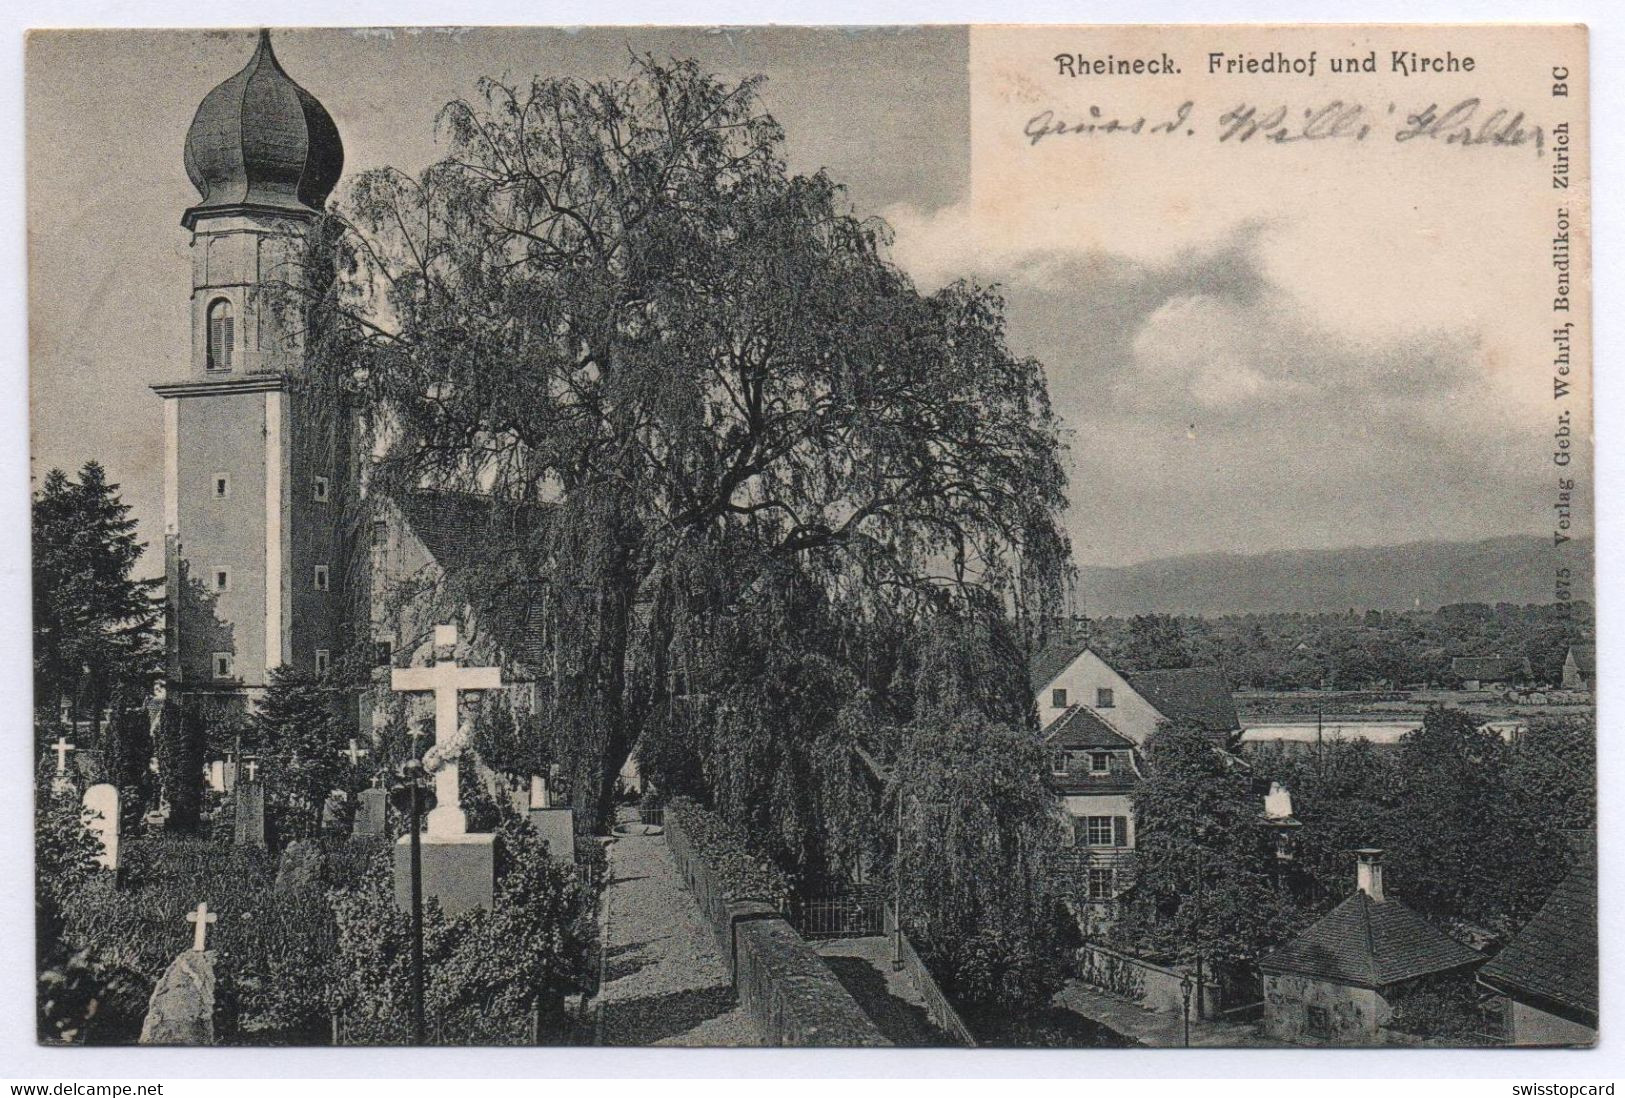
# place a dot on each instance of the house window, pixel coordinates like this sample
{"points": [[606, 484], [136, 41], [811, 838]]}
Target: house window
{"points": [[1057, 698], [320, 577], [221, 336], [1100, 885], [382, 652], [222, 579], [319, 489], [223, 665], [222, 486], [1103, 698], [323, 661], [1100, 762], [1098, 830], [1319, 1023], [1058, 763]]}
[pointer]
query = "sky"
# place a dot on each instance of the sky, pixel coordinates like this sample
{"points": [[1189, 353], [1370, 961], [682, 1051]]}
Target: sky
{"points": [[1247, 356]]}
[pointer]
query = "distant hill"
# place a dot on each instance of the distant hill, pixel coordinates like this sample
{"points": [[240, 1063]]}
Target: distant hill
{"points": [[1511, 569]]}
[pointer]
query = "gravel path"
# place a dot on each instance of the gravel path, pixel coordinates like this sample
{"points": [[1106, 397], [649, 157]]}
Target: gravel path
{"points": [[664, 983]]}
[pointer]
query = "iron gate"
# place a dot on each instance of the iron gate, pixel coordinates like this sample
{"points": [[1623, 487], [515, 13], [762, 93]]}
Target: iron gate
{"points": [[856, 913]]}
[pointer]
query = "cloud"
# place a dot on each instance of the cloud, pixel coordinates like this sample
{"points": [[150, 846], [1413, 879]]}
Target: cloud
{"points": [[1210, 407]]}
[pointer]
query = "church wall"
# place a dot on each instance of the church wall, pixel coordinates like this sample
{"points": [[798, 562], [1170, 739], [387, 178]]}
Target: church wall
{"points": [[222, 434]]}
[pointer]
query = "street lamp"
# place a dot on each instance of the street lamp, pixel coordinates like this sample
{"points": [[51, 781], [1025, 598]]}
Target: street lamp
{"points": [[409, 788]]}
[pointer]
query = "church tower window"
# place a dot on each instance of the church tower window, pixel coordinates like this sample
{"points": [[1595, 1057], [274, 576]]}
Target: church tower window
{"points": [[320, 577], [221, 335], [319, 489]]}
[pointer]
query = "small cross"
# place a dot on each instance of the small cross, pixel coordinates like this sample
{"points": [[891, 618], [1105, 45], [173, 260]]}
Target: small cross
{"points": [[354, 753], [62, 747], [253, 768], [202, 917]]}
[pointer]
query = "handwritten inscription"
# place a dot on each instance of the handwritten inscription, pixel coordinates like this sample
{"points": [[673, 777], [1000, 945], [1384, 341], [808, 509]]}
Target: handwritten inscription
{"points": [[1468, 123]]}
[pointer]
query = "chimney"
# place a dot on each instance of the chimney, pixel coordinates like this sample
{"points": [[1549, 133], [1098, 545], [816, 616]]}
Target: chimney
{"points": [[1369, 874]]}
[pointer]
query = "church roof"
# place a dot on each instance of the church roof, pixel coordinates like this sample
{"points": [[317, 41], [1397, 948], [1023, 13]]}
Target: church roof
{"points": [[1363, 943], [1190, 695], [260, 142], [1552, 962]]}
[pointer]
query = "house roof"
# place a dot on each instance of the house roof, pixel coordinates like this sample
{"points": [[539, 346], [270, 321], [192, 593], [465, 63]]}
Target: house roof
{"points": [[1197, 695], [1083, 728], [1488, 667], [1552, 962], [1050, 661], [1363, 943]]}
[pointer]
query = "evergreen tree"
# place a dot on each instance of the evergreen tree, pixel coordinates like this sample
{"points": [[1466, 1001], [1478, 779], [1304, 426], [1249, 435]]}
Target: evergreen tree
{"points": [[95, 624], [299, 737]]}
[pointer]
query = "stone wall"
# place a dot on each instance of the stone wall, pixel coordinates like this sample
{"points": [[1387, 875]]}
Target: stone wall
{"points": [[1302, 1010], [785, 987], [1151, 985]]}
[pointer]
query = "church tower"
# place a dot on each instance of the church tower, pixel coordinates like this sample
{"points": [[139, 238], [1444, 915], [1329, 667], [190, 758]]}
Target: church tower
{"points": [[253, 459]]}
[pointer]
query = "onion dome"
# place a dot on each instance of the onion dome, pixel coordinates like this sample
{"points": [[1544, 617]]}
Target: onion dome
{"points": [[260, 143]]}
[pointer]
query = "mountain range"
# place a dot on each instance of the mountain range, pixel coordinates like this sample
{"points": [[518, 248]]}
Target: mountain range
{"points": [[1426, 575]]}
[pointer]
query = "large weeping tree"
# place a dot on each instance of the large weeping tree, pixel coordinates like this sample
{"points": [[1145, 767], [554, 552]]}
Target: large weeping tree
{"points": [[612, 306]]}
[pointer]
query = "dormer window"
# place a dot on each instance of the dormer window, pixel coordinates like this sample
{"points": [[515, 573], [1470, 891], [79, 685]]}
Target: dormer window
{"points": [[1100, 762], [1057, 698], [221, 335]]}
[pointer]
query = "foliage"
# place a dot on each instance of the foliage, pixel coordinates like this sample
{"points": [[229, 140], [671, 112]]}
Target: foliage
{"points": [[95, 627], [1492, 813], [65, 851], [1206, 880], [1443, 1011], [488, 969], [301, 737], [742, 872], [980, 832], [182, 732], [1290, 651], [610, 307], [1155, 641]]}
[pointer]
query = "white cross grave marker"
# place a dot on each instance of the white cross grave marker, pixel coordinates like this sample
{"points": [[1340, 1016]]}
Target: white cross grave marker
{"points": [[253, 768], [446, 680], [354, 752], [62, 747], [202, 917]]}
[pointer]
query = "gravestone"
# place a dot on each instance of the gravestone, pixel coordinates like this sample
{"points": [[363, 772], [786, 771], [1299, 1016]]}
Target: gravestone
{"points": [[459, 867], [371, 818], [101, 814], [555, 826], [181, 1010], [300, 866], [249, 829], [215, 772], [228, 774], [60, 783]]}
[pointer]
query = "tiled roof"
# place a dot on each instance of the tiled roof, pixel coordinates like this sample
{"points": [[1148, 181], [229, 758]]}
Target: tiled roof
{"points": [[1082, 728], [1198, 695], [1552, 962], [1048, 663], [1363, 943]]}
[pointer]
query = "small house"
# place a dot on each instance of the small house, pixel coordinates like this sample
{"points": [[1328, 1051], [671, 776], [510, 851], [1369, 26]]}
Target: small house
{"points": [[1484, 672], [1546, 977], [1336, 981], [1094, 720]]}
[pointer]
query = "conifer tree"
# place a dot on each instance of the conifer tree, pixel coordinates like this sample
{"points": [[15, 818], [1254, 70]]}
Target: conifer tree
{"points": [[95, 623]]}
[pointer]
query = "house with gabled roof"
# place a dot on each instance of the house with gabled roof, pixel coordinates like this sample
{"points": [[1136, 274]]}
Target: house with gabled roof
{"points": [[1094, 719], [1546, 977], [1335, 983]]}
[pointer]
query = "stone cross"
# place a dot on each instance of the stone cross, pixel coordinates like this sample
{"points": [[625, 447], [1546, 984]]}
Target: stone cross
{"points": [[354, 752], [253, 768], [446, 681], [202, 917], [62, 747]]}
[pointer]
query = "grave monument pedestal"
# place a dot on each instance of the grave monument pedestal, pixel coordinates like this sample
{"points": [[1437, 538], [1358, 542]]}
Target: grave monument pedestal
{"points": [[458, 870]]}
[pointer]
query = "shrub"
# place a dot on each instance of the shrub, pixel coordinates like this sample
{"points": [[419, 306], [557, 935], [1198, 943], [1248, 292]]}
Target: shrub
{"points": [[741, 872]]}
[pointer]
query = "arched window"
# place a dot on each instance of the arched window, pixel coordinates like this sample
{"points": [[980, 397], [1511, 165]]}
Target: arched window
{"points": [[222, 335]]}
